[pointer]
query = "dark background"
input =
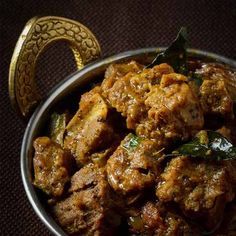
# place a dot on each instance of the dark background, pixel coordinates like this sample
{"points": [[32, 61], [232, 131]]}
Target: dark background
{"points": [[119, 26]]}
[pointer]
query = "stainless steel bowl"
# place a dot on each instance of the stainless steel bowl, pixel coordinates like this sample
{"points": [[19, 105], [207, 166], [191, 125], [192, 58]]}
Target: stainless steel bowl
{"points": [[75, 82]]}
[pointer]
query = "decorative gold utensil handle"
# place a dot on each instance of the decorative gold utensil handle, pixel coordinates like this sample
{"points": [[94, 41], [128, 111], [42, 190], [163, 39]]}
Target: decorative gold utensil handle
{"points": [[34, 39]]}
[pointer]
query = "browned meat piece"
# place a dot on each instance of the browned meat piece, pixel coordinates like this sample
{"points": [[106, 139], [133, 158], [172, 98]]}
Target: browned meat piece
{"points": [[154, 219], [89, 210], [115, 72], [217, 71], [200, 188], [88, 176], [216, 90], [157, 103], [52, 166], [134, 165], [128, 93], [173, 111], [215, 99], [214, 71], [90, 134]]}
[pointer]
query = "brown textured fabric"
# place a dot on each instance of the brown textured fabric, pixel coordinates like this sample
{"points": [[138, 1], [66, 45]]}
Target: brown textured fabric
{"points": [[119, 26]]}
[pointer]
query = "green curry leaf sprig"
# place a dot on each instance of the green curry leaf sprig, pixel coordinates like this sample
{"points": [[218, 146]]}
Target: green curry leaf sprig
{"points": [[209, 145], [175, 55]]}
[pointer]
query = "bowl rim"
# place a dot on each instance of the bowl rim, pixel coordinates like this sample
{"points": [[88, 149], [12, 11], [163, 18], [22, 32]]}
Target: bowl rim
{"points": [[58, 90]]}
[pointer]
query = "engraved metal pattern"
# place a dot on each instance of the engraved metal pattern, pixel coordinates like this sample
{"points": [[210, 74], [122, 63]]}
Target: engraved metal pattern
{"points": [[36, 36]]}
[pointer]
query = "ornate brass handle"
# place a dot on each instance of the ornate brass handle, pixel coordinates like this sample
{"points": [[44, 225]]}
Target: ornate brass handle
{"points": [[34, 39]]}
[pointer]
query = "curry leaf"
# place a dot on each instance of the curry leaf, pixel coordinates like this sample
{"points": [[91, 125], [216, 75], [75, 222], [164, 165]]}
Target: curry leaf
{"points": [[175, 54], [209, 145], [132, 143]]}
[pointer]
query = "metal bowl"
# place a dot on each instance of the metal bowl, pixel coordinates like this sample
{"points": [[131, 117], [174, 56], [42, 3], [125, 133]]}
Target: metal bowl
{"points": [[78, 82]]}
